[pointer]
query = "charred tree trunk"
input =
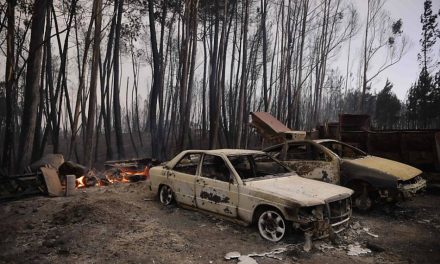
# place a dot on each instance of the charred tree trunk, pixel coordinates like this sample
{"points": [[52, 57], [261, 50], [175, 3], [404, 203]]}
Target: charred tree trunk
{"points": [[263, 29], [242, 96], [155, 89], [90, 129], [7, 161], [116, 103], [213, 111], [32, 92]]}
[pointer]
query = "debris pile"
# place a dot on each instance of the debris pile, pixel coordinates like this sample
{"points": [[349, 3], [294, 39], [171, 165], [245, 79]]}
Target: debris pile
{"points": [[350, 244], [132, 170], [249, 258], [357, 250], [54, 176]]}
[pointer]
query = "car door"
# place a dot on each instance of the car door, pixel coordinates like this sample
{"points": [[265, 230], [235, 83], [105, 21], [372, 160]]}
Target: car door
{"points": [[311, 161], [216, 189], [183, 177]]}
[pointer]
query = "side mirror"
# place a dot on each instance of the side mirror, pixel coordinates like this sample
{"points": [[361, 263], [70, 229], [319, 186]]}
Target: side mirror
{"points": [[231, 179]]}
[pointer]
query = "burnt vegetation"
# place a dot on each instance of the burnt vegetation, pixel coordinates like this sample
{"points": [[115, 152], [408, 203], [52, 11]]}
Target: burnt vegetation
{"points": [[99, 80]]}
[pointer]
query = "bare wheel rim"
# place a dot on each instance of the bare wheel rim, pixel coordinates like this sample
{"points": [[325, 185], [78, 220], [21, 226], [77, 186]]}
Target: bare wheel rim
{"points": [[363, 203], [271, 226], [166, 195]]}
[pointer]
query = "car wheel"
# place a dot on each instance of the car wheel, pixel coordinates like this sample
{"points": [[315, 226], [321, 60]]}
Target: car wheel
{"points": [[166, 195], [272, 225], [362, 198]]}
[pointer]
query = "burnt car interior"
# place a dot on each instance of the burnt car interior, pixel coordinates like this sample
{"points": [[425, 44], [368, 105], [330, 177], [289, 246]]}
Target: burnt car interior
{"points": [[344, 151], [188, 164], [300, 151], [256, 166], [214, 167]]}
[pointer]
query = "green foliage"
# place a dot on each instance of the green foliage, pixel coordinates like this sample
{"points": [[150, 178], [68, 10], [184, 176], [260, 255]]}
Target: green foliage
{"points": [[387, 108], [424, 96], [422, 102], [429, 32], [351, 102], [397, 27]]}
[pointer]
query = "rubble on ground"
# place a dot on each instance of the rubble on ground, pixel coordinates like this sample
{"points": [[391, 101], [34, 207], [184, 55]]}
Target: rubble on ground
{"points": [[48, 176]]}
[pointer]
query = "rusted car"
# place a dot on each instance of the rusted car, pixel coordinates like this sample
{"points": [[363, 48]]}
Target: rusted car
{"points": [[372, 178], [252, 187]]}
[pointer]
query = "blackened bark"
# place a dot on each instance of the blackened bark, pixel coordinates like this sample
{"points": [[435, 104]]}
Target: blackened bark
{"points": [[90, 129], [116, 103], [32, 92], [154, 94], [7, 161]]}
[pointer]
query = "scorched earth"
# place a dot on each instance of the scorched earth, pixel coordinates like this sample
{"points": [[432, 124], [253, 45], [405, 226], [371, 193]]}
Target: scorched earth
{"points": [[124, 223]]}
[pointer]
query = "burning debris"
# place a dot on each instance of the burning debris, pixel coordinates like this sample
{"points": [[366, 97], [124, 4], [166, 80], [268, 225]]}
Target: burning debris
{"points": [[54, 176], [132, 170]]}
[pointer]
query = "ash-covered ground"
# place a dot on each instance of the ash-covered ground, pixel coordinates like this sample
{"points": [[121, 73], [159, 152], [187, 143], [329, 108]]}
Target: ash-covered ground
{"points": [[124, 223]]}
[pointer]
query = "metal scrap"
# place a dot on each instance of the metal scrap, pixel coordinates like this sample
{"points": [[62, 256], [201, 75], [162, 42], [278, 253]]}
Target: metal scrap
{"points": [[232, 255], [246, 260], [271, 254], [367, 230], [357, 250]]}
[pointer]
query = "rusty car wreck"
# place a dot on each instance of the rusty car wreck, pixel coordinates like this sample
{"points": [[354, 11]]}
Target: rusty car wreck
{"points": [[372, 178], [252, 188]]}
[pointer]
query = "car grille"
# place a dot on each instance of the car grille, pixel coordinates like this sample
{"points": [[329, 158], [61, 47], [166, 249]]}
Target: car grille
{"points": [[413, 180], [338, 213]]}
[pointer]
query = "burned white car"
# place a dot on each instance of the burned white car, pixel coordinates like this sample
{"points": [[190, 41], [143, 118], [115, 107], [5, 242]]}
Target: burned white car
{"points": [[252, 187], [372, 178]]}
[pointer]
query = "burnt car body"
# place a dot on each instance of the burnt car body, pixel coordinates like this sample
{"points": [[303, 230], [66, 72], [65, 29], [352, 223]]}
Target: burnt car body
{"points": [[252, 187], [372, 178]]}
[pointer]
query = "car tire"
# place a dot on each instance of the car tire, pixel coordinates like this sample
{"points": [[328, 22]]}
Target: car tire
{"points": [[362, 197], [271, 225], [166, 195]]}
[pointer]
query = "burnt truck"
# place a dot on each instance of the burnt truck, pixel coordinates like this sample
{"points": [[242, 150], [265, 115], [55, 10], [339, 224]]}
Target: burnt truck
{"points": [[374, 179]]}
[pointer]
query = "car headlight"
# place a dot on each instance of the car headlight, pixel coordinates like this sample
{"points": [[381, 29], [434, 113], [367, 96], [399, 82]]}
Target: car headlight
{"points": [[318, 212]]}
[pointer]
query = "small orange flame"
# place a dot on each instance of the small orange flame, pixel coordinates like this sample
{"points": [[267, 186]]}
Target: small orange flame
{"points": [[81, 182]]}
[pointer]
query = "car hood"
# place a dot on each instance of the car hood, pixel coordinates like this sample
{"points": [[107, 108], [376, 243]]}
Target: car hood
{"points": [[303, 191], [396, 169]]}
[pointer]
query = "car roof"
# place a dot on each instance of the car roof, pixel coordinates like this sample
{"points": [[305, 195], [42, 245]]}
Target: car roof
{"points": [[317, 141], [229, 151]]}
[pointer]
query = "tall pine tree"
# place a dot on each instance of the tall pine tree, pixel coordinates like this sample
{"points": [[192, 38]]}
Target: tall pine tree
{"points": [[387, 108], [421, 96]]}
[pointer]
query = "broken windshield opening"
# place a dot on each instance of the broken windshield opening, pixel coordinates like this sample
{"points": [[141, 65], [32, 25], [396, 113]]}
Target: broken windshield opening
{"points": [[256, 166], [344, 151]]}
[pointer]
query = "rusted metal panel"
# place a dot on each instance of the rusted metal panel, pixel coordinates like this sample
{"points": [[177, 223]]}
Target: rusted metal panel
{"points": [[316, 170], [269, 123], [272, 129], [349, 122], [415, 147]]}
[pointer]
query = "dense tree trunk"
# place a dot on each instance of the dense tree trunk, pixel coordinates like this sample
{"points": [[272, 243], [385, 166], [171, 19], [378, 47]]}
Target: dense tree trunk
{"points": [[242, 96], [90, 128], [263, 29], [116, 103], [8, 145], [32, 92], [82, 69], [155, 89]]}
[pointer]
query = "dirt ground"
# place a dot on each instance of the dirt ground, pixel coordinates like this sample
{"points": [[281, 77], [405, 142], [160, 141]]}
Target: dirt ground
{"points": [[123, 223]]}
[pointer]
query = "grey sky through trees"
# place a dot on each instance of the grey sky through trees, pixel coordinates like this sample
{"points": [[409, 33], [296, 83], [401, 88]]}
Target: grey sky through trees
{"points": [[404, 73]]}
